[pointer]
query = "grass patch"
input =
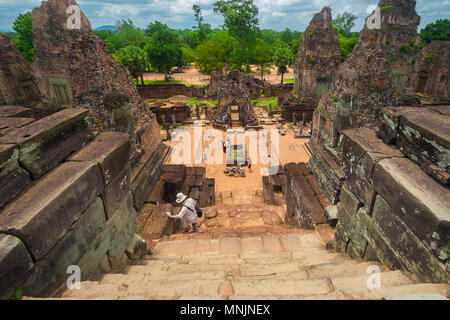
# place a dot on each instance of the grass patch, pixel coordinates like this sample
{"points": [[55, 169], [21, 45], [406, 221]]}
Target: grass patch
{"points": [[198, 85], [289, 80], [266, 102], [193, 102]]}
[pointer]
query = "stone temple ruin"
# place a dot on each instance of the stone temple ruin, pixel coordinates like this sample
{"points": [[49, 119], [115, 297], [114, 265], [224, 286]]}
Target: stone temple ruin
{"points": [[84, 178], [315, 68], [17, 82], [234, 101]]}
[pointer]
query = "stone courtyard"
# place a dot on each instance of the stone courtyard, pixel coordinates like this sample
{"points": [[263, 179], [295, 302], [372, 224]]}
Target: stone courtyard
{"points": [[350, 170]]}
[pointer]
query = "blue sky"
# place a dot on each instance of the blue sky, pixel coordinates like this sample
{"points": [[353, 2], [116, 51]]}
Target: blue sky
{"points": [[273, 14]]}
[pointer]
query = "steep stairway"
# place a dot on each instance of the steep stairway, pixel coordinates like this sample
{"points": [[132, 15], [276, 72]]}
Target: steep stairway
{"points": [[289, 266]]}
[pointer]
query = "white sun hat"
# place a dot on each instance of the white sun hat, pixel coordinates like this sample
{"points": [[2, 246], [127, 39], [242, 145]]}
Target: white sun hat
{"points": [[181, 197]]}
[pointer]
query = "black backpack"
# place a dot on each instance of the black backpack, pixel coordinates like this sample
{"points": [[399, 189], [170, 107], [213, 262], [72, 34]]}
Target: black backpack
{"points": [[197, 210]]}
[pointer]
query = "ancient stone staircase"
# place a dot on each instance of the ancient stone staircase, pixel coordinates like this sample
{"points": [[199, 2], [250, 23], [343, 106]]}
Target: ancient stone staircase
{"points": [[290, 266], [244, 251]]}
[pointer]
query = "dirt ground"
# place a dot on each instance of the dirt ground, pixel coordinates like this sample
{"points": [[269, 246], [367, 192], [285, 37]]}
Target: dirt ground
{"points": [[290, 150], [192, 76]]}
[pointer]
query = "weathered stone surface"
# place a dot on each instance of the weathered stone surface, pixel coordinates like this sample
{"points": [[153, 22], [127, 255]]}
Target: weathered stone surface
{"points": [[419, 201], [111, 150], [9, 124], [51, 271], [123, 232], [361, 151], [397, 38], [326, 171], [13, 179], [45, 143], [268, 194], [136, 249], [117, 190], [15, 265], [15, 111], [45, 212], [433, 69], [79, 64], [146, 173], [318, 58], [233, 90], [425, 138], [112, 237], [17, 83], [413, 254], [157, 195]]}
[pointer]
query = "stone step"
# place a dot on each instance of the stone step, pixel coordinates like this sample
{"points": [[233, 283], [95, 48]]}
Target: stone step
{"points": [[179, 287], [348, 268], [355, 286], [281, 287], [145, 274], [286, 243]]}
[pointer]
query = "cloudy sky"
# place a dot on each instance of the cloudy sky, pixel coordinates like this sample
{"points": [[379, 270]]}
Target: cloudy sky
{"points": [[273, 14]]}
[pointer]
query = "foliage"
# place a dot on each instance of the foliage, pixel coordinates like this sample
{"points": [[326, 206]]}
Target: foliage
{"points": [[24, 40], [241, 21], [439, 30], [135, 59], [347, 45], [282, 58], [163, 51], [262, 57], [215, 54], [131, 35], [345, 22]]}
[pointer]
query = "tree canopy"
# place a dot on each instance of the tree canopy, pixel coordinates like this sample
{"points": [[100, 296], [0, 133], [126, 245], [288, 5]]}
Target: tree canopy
{"points": [[135, 59], [439, 30], [24, 38], [345, 22]]}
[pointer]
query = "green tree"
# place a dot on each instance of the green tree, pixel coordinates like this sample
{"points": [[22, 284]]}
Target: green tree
{"points": [[347, 45], [135, 59], [282, 58], [163, 51], [24, 40], [216, 53], [345, 22], [154, 27], [439, 30], [262, 55], [131, 35], [241, 21], [202, 29]]}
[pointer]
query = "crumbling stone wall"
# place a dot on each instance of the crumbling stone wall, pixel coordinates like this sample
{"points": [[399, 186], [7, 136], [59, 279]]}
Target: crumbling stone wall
{"points": [[434, 71], [164, 91], [318, 59], [75, 68], [17, 83], [60, 209], [233, 91], [254, 85], [399, 40], [165, 114], [315, 68]]}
